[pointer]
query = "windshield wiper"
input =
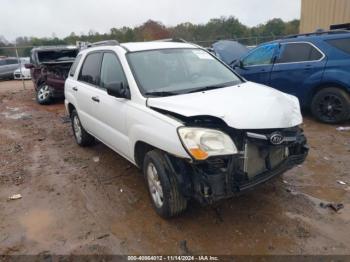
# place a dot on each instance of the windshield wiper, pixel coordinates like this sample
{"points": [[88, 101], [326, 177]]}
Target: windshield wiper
{"points": [[206, 88], [161, 93]]}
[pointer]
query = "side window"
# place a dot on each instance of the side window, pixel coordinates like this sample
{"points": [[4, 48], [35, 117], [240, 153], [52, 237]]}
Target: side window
{"points": [[111, 71], [90, 71], [261, 56], [2, 62], [342, 44], [298, 52], [74, 66]]}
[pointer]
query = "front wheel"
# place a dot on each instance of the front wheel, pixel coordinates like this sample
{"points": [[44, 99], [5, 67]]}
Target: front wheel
{"points": [[162, 185], [331, 105], [43, 94]]}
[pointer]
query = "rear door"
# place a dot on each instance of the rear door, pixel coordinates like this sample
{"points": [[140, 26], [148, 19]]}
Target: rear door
{"points": [[258, 64], [298, 66], [87, 92]]}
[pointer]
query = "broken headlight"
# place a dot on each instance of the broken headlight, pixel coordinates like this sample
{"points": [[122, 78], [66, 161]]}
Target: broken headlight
{"points": [[202, 143]]}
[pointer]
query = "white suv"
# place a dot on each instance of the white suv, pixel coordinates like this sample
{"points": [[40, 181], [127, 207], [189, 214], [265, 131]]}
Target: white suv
{"points": [[195, 127]]}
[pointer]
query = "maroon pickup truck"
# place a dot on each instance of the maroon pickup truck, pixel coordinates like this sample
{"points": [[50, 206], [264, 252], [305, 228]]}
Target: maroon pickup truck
{"points": [[49, 68]]}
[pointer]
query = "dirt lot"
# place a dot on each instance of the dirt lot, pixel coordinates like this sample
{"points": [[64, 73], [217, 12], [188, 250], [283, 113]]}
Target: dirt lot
{"points": [[92, 201]]}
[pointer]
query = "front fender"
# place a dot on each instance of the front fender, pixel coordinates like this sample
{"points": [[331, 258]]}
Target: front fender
{"points": [[155, 129]]}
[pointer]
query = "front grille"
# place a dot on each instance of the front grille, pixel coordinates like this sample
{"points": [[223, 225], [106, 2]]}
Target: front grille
{"points": [[259, 159]]}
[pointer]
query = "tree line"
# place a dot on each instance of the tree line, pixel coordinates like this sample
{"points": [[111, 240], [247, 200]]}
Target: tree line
{"points": [[204, 34]]}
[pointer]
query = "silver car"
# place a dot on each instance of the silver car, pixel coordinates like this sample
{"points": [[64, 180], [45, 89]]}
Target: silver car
{"points": [[7, 67]]}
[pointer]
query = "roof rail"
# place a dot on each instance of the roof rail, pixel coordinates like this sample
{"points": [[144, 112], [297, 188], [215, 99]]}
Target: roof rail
{"points": [[319, 32], [177, 40], [103, 43]]}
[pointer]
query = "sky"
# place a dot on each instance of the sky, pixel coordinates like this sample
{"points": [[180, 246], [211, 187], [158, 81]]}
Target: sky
{"points": [[43, 18]]}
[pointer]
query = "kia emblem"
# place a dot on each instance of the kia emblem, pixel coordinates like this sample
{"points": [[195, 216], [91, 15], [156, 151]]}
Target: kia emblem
{"points": [[276, 138]]}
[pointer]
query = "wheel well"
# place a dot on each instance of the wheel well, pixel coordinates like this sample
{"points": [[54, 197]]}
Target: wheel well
{"points": [[326, 85], [141, 149], [70, 108], [40, 81]]}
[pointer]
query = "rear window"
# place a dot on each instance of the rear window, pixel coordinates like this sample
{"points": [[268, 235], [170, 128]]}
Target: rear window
{"points": [[342, 44], [90, 71], [298, 52]]}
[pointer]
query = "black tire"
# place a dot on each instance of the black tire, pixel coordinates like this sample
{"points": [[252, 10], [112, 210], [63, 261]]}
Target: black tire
{"points": [[43, 94], [83, 138], [331, 105], [173, 202]]}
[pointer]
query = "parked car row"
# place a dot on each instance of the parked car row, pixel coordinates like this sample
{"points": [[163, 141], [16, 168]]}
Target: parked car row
{"points": [[12, 68]]}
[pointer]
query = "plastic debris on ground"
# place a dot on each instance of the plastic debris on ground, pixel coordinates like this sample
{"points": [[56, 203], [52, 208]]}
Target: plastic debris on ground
{"points": [[343, 128], [15, 197], [341, 182], [96, 159]]}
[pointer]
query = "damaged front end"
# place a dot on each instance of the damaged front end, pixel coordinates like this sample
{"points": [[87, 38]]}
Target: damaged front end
{"points": [[261, 155], [52, 67], [55, 75]]}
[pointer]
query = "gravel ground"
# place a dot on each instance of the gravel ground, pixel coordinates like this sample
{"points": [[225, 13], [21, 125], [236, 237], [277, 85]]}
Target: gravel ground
{"points": [[92, 201]]}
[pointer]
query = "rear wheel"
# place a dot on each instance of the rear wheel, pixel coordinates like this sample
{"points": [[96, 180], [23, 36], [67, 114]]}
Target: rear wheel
{"points": [[43, 94], [82, 137], [331, 105], [162, 185]]}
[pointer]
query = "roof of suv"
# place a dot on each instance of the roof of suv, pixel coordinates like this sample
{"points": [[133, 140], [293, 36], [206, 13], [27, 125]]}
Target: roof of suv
{"points": [[143, 46], [315, 35]]}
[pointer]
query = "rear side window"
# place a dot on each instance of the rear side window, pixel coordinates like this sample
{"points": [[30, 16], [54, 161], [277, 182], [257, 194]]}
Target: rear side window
{"points": [[111, 71], [74, 66], [298, 52], [90, 71], [342, 44]]}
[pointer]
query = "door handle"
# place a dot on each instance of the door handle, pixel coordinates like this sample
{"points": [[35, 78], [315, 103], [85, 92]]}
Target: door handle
{"points": [[96, 99], [75, 89]]}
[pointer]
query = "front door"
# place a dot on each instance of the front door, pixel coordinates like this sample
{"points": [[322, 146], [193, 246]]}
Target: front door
{"points": [[111, 111], [258, 64]]}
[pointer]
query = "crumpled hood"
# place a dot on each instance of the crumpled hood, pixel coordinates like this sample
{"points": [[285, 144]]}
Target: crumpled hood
{"points": [[246, 106]]}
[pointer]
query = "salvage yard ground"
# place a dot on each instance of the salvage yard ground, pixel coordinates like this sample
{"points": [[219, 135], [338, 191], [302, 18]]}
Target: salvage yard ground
{"points": [[92, 201]]}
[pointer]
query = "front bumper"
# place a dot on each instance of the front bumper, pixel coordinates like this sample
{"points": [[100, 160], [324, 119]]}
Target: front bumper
{"points": [[224, 177]]}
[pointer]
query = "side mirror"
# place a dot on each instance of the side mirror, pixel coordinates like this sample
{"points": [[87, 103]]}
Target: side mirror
{"points": [[241, 65], [29, 66], [118, 90]]}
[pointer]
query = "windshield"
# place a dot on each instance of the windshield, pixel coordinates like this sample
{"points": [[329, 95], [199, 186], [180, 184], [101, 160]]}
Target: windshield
{"points": [[177, 71]]}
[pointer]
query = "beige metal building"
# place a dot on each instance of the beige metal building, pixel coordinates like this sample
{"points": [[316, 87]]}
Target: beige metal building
{"points": [[320, 14]]}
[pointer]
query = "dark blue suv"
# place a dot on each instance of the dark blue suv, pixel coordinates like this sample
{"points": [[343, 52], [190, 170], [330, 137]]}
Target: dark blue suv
{"points": [[314, 67]]}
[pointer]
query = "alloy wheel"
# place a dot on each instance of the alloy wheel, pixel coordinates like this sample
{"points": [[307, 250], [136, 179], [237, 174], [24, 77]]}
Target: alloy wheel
{"points": [[43, 93], [330, 107], [155, 186], [77, 129]]}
